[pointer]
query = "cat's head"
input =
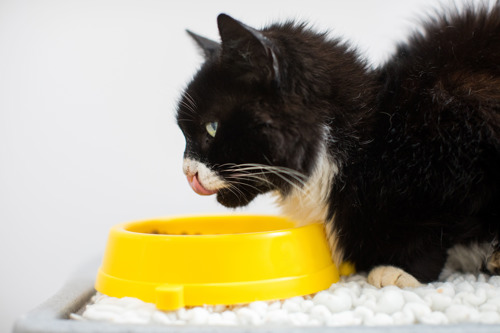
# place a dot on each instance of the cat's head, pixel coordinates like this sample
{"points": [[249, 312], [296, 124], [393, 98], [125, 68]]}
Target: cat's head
{"points": [[251, 115]]}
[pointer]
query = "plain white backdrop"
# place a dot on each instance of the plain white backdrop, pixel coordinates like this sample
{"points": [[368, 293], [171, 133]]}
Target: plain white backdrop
{"points": [[88, 139]]}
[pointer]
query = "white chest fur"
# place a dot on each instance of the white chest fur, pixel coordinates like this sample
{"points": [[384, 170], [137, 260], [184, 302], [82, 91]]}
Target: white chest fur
{"points": [[308, 203]]}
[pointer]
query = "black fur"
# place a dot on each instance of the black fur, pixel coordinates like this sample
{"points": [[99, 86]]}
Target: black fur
{"points": [[416, 141]]}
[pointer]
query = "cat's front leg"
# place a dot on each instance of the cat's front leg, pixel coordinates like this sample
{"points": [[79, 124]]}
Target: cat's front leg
{"points": [[382, 276]]}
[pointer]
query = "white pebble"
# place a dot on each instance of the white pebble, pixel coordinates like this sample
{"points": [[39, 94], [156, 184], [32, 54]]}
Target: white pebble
{"points": [[132, 318], [370, 304], [341, 301], [439, 302], [379, 319], [345, 318], [410, 296], [403, 318], [307, 305], [74, 316], [434, 318], [460, 313], [370, 294], [419, 310], [248, 316], [95, 314], [447, 289], [215, 319], [275, 305], [259, 307], [143, 313], [354, 288], [494, 280], [475, 298], [161, 318], [299, 318], [320, 312], [197, 316], [291, 306], [487, 307], [390, 301], [108, 307], [131, 302], [489, 317], [321, 297], [182, 314], [229, 317], [364, 313], [277, 316], [465, 286], [297, 299]]}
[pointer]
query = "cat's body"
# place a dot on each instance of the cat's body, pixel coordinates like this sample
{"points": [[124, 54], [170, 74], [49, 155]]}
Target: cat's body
{"points": [[401, 163]]}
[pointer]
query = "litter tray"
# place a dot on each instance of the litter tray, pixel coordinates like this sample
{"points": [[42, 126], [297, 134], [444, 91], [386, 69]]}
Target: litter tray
{"points": [[53, 317], [192, 261]]}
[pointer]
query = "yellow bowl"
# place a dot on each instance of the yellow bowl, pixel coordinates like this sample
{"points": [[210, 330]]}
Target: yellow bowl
{"points": [[190, 261]]}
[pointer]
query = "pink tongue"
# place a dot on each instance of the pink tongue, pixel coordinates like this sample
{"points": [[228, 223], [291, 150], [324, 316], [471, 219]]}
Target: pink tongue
{"points": [[197, 187]]}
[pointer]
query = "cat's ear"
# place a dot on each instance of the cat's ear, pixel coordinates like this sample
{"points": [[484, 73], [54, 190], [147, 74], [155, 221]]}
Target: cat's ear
{"points": [[211, 49], [251, 53]]}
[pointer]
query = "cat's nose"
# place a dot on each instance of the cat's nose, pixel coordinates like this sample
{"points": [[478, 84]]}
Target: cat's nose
{"points": [[196, 185]]}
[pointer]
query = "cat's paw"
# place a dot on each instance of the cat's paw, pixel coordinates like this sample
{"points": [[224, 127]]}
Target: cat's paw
{"points": [[493, 264], [382, 276]]}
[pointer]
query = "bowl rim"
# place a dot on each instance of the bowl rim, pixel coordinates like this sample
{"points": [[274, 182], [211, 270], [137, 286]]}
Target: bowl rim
{"points": [[122, 227]]}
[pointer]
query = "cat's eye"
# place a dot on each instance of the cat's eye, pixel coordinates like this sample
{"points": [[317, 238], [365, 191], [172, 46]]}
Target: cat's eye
{"points": [[211, 128]]}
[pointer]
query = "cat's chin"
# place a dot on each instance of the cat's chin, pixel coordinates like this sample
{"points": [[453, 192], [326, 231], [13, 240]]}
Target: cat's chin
{"points": [[231, 200]]}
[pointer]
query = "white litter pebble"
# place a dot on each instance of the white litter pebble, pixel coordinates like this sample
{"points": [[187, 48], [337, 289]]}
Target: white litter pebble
{"points": [[390, 301], [462, 298]]}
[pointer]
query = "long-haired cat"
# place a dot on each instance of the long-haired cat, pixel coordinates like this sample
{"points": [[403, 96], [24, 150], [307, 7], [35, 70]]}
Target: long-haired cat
{"points": [[401, 163]]}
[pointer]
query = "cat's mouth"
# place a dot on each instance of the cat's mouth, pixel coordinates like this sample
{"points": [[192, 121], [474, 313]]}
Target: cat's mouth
{"points": [[202, 179], [205, 181], [197, 186]]}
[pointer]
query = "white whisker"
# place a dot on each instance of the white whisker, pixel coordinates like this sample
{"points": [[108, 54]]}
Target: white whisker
{"points": [[279, 171], [189, 108], [260, 171], [190, 99], [248, 166], [243, 184], [185, 120], [236, 191], [250, 176]]}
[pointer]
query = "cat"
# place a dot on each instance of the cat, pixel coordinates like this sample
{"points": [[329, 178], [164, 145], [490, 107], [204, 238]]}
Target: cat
{"points": [[400, 162]]}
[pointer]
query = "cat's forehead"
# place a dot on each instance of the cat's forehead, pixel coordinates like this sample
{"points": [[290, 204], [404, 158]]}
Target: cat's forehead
{"points": [[214, 91]]}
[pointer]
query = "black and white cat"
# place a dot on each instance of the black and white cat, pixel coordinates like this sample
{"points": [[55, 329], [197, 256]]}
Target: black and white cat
{"points": [[401, 163]]}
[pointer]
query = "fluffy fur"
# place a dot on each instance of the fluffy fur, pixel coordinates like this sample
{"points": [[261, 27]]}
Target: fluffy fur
{"points": [[401, 163]]}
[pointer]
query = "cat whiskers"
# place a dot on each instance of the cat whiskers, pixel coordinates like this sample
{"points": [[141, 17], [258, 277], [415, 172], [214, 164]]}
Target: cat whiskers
{"points": [[191, 101], [260, 172], [233, 183], [190, 106], [235, 190], [191, 111], [247, 176]]}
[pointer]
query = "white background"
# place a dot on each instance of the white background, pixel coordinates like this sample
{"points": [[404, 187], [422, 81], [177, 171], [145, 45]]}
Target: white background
{"points": [[88, 138]]}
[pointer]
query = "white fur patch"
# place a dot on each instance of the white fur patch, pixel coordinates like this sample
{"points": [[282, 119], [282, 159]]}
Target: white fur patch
{"points": [[309, 203], [207, 177]]}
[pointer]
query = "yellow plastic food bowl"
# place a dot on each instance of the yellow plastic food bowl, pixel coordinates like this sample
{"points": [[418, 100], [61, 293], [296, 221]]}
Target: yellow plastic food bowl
{"points": [[191, 261]]}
